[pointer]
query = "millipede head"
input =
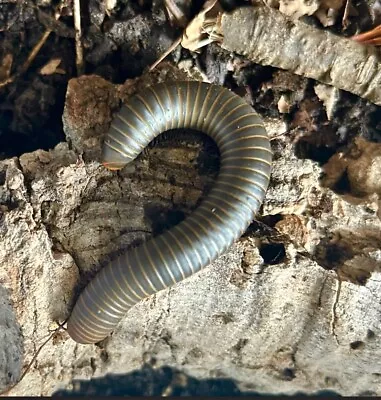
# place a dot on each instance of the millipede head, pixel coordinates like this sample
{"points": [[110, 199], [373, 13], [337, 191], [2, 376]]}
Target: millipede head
{"points": [[111, 167], [112, 158]]}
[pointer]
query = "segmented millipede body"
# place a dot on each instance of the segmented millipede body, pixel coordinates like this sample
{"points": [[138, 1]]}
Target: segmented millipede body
{"points": [[210, 230]]}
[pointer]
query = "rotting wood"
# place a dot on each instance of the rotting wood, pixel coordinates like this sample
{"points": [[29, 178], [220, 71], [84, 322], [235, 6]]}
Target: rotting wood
{"points": [[268, 37]]}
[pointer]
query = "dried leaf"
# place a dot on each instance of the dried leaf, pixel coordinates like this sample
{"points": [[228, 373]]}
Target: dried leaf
{"points": [[202, 29], [51, 67], [5, 68]]}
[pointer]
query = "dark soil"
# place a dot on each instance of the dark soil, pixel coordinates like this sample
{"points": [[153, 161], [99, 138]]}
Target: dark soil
{"points": [[122, 42]]}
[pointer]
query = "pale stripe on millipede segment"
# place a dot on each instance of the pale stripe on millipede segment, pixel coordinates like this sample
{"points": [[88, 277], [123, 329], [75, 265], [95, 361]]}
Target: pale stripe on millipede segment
{"points": [[210, 230]]}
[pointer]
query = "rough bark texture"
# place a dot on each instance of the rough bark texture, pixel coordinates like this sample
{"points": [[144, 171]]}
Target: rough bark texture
{"points": [[268, 37], [267, 314]]}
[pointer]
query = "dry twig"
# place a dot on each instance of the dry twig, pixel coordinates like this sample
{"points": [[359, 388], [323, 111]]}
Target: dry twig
{"points": [[78, 37], [200, 31]]}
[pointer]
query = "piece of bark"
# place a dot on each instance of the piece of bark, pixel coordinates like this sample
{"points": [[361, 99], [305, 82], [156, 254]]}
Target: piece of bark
{"points": [[268, 37], [270, 323], [91, 101]]}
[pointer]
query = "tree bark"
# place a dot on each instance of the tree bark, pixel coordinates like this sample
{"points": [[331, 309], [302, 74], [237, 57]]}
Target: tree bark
{"points": [[266, 314]]}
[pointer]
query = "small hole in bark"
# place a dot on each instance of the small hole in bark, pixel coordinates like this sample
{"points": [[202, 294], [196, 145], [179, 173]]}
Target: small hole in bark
{"points": [[335, 254], [272, 219], [370, 334], [369, 210], [289, 374], [2, 177], [332, 255], [104, 356], [343, 185], [11, 204], [272, 253], [172, 180], [358, 344]]}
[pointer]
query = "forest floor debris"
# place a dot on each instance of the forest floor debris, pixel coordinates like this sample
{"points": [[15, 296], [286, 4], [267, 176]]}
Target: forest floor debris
{"points": [[289, 263]]}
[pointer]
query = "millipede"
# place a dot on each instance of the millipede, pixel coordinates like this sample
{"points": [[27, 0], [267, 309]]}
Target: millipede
{"points": [[222, 217]]}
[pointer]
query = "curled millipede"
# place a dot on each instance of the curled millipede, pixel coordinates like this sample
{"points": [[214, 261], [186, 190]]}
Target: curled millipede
{"points": [[210, 230]]}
